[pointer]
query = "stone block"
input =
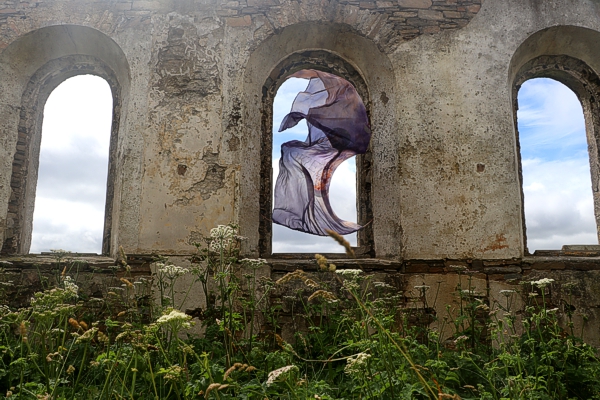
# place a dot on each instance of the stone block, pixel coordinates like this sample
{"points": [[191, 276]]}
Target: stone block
{"points": [[581, 247], [415, 3], [502, 270], [227, 13], [430, 29], [367, 5], [548, 265], [431, 15], [246, 20], [405, 14], [417, 268], [454, 14], [513, 277], [262, 3]]}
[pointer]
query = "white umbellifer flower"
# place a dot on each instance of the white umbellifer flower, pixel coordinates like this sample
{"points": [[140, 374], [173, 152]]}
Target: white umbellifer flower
{"points": [[280, 374], [421, 287], [355, 365], [172, 271], [507, 292], [351, 273], [254, 262], [222, 232], [59, 251], [175, 316], [542, 283], [87, 335], [382, 285], [222, 236], [70, 286]]}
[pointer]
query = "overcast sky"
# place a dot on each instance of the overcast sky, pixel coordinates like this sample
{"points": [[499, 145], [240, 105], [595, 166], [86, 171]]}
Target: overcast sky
{"points": [[559, 207], [69, 209], [71, 190]]}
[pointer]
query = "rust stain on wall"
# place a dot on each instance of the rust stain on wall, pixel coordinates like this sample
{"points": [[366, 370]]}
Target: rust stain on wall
{"points": [[498, 243]]}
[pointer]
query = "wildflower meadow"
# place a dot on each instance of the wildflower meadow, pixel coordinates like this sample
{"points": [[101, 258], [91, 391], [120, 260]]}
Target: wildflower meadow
{"points": [[354, 339]]}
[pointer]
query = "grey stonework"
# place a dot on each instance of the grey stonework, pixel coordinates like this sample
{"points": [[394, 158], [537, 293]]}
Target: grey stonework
{"points": [[193, 81]]}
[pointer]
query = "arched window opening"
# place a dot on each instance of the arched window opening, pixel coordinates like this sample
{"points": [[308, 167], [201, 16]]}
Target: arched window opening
{"points": [[70, 197], [555, 162], [342, 191]]}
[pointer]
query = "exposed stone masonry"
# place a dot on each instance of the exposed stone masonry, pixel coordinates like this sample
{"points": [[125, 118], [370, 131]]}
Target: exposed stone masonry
{"points": [[390, 22]]}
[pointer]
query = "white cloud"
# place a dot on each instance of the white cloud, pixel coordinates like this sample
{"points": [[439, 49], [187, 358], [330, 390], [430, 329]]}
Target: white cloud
{"points": [[559, 207], [549, 115], [63, 224], [71, 188]]}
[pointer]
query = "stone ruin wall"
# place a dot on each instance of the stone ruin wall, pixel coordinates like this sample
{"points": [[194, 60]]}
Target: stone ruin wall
{"points": [[192, 80]]}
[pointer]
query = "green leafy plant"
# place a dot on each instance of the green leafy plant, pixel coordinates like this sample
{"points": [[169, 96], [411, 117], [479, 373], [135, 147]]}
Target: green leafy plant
{"points": [[327, 334]]}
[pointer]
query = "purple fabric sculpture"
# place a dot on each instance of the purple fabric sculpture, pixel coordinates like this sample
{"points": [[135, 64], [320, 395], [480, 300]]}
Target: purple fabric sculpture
{"points": [[338, 128]]}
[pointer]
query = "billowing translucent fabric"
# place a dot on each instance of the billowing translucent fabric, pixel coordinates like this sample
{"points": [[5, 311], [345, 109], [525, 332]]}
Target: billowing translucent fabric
{"points": [[338, 128]]}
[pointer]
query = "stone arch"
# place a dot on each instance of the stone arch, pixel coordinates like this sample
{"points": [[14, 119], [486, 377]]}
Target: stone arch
{"points": [[37, 63], [567, 54], [333, 48]]}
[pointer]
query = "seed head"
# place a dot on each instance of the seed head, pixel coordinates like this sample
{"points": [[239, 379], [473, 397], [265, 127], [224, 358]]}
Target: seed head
{"points": [[280, 374], [297, 275], [211, 387], [127, 282], [321, 262], [340, 239], [328, 296], [23, 329], [73, 322]]}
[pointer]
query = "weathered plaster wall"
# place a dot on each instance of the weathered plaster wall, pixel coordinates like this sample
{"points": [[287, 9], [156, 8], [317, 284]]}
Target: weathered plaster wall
{"points": [[460, 192], [187, 153], [445, 177], [193, 75]]}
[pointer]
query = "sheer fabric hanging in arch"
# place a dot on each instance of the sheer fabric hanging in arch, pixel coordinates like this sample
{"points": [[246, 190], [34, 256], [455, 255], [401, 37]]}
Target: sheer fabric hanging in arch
{"points": [[338, 128]]}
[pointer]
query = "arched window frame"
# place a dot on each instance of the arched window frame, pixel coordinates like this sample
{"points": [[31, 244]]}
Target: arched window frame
{"points": [[26, 160], [327, 62], [247, 120], [585, 83]]}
